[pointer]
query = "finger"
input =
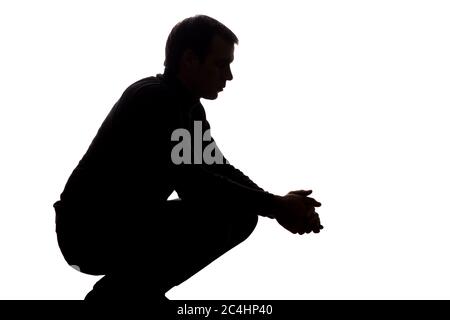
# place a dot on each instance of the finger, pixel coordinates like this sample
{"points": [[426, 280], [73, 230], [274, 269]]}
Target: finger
{"points": [[313, 202], [301, 192], [314, 224], [315, 220], [308, 227], [317, 226], [292, 230], [301, 230]]}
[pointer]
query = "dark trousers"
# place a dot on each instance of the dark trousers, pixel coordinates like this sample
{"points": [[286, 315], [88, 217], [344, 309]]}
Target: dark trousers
{"points": [[144, 258]]}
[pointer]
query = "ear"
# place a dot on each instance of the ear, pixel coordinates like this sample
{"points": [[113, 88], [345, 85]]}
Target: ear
{"points": [[189, 59]]}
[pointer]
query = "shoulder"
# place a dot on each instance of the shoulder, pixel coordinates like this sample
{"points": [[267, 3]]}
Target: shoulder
{"points": [[150, 88], [147, 97]]}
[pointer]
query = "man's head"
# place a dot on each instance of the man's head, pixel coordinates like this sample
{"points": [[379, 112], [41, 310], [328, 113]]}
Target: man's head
{"points": [[199, 51]]}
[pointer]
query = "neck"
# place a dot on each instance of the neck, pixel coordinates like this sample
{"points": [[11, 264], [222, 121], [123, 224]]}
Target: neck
{"points": [[182, 81], [185, 78]]}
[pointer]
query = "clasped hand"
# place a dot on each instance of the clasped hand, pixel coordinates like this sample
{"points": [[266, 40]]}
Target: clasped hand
{"points": [[296, 212]]}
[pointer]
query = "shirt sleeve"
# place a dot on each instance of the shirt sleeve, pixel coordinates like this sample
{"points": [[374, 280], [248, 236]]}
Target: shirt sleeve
{"points": [[200, 183], [236, 175]]}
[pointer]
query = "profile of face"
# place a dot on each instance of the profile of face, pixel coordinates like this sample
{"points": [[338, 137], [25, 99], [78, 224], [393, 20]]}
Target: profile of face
{"points": [[208, 77]]}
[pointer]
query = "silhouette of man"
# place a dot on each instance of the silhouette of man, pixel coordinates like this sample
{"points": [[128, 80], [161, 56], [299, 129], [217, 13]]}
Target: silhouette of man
{"points": [[113, 217]]}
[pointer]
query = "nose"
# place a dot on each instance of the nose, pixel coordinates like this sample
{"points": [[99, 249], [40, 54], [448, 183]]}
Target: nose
{"points": [[228, 75]]}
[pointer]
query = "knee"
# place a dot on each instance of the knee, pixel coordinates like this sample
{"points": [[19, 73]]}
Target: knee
{"points": [[252, 223], [246, 227]]}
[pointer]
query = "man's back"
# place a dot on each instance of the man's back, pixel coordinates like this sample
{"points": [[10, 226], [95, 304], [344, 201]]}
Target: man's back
{"points": [[126, 164]]}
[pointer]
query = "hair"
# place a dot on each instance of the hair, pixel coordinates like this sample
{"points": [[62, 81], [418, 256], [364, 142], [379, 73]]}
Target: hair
{"points": [[195, 33]]}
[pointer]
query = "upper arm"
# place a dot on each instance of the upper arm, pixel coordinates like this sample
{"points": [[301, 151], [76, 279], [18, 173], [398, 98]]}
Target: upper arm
{"points": [[146, 126]]}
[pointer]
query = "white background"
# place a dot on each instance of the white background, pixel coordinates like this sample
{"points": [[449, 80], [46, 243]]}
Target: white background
{"points": [[348, 98]]}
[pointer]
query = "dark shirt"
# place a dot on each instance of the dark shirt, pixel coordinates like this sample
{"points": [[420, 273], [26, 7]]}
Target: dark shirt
{"points": [[128, 165]]}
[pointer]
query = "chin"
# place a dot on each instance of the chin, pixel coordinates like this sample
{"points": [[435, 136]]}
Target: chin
{"points": [[211, 96]]}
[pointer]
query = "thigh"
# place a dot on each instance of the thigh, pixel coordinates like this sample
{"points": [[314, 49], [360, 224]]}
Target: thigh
{"points": [[185, 226], [175, 243], [193, 236]]}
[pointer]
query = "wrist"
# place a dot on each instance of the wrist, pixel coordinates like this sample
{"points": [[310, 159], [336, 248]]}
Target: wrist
{"points": [[273, 207]]}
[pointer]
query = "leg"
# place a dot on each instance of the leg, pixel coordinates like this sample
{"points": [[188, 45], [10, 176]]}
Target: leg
{"points": [[200, 237], [183, 240]]}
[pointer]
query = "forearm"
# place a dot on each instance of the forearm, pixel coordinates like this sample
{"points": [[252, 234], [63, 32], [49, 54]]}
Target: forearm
{"points": [[272, 207], [197, 182], [235, 174]]}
